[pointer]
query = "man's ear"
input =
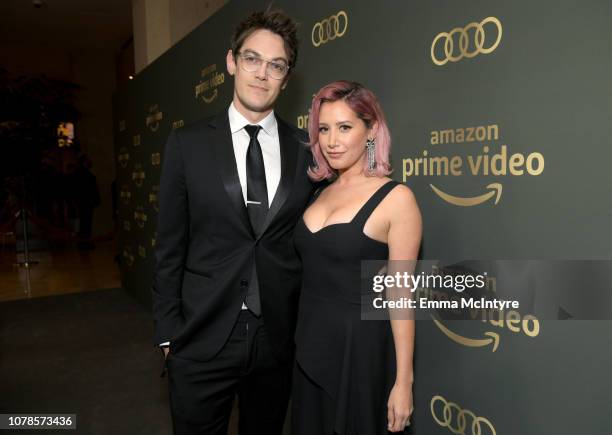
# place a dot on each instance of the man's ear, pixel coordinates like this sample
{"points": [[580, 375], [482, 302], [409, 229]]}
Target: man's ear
{"points": [[230, 63], [285, 82]]}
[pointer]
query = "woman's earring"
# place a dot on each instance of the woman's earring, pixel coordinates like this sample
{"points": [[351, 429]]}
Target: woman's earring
{"points": [[371, 150]]}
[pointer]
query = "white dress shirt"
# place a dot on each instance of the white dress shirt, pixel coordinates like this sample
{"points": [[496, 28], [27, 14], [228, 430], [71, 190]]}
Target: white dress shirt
{"points": [[270, 148]]}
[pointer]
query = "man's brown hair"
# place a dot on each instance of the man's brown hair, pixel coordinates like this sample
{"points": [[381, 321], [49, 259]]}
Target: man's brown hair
{"points": [[276, 22]]}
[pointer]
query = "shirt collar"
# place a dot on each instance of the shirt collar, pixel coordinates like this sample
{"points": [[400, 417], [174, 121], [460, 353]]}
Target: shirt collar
{"points": [[237, 121]]}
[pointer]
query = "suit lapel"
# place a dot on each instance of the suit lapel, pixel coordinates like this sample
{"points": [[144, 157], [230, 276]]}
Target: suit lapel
{"points": [[226, 164], [289, 144]]}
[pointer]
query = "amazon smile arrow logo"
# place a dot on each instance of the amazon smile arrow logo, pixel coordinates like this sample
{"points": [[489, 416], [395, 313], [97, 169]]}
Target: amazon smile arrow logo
{"points": [[453, 154], [496, 191], [211, 98], [210, 80], [492, 337]]}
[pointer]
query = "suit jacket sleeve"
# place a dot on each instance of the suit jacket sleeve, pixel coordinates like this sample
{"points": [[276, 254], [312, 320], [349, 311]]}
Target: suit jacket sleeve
{"points": [[171, 244]]}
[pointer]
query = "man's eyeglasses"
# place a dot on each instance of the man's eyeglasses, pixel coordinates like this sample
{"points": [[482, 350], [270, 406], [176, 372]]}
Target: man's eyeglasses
{"points": [[251, 62]]}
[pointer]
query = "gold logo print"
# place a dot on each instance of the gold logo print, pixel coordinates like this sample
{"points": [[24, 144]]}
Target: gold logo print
{"points": [[142, 251], [152, 120], [511, 320], [453, 417], [136, 140], [492, 160], [155, 159], [124, 157], [138, 176], [302, 121], [470, 342], [496, 191], [127, 226], [153, 197], [128, 256], [154, 239], [329, 29], [464, 45], [210, 99], [206, 90], [178, 124], [125, 194], [140, 217]]}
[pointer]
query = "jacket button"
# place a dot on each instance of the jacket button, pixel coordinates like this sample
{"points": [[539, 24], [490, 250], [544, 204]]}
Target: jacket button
{"points": [[244, 282]]}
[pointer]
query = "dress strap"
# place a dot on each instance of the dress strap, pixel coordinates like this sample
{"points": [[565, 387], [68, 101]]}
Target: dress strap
{"points": [[316, 193], [362, 216]]}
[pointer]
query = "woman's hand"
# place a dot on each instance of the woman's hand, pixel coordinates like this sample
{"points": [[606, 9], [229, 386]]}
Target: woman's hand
{"points": [[399, 407]]}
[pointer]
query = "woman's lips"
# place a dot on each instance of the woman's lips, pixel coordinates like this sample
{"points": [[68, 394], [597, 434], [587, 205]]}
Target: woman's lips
{"points": [[335, 155]]}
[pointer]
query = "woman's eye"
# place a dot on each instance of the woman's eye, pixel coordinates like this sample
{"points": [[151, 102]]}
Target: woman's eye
{"points": [[322, 129], [345, 127]]}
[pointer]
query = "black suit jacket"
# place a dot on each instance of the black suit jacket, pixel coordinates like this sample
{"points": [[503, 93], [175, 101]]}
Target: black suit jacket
{"points": [[206, 249]]}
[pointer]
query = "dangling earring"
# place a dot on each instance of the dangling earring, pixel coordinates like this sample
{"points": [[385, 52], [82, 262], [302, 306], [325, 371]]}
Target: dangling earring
{"points": [[371, 151]]}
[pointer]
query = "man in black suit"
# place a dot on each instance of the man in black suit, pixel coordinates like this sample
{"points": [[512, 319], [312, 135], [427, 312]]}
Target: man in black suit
{"points": [[227, 278]]}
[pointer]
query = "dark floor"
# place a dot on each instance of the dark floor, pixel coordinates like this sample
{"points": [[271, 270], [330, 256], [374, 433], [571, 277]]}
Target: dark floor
{"points": [[88, 354]]}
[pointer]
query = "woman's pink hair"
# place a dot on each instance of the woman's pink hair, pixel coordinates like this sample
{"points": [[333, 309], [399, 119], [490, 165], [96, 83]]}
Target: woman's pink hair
{"points": [[367, 108]]}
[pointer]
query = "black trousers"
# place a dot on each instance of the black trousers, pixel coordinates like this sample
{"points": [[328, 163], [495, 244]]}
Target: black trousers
{"points": [[202, 393]]}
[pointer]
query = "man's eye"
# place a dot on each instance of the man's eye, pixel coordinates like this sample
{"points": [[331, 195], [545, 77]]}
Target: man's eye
{"points": [[252, 59], [278, 67]]}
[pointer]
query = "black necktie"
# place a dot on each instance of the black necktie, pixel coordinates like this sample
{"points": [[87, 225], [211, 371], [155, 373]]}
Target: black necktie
{"points": [[257, 206], [257, 190]]}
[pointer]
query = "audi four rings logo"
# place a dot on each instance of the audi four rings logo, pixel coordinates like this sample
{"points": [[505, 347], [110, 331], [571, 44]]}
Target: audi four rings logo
{"points": [[450, 415], [329, 29], [465, 50]]}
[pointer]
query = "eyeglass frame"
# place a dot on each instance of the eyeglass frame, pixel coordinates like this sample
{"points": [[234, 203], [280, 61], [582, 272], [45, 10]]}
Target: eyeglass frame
{"points": [[241, 55]]}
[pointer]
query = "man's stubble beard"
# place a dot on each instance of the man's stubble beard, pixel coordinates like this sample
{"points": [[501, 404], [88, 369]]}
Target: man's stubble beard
{"points": [[253, 108]]}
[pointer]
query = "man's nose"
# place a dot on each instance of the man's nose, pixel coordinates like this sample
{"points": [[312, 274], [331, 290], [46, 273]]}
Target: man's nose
{"points": [[262, 71]]}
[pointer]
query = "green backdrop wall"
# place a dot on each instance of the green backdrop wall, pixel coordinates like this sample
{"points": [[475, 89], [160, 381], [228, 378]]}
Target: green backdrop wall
{"points": [[500, 117]]}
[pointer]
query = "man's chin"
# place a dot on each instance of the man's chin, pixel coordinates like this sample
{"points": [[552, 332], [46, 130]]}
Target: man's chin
{"points": [[257, 107]]}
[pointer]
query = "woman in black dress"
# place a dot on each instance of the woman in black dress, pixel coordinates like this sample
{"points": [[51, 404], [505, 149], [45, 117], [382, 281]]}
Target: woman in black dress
{"points": [[352, 376]]}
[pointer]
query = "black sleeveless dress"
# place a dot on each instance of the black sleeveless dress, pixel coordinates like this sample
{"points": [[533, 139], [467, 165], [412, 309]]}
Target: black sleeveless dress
{"points": [[345, 367]]}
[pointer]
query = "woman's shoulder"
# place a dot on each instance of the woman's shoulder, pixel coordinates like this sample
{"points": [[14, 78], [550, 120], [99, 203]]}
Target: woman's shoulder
{"points": [[400, 198]]}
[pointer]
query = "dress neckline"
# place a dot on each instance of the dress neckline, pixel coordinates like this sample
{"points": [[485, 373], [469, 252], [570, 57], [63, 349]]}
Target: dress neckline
{"points": [[350, 221]]}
